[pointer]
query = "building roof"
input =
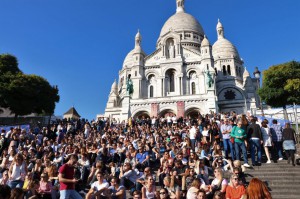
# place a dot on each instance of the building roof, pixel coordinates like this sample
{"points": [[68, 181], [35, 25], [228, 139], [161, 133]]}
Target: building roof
{"points": [[72, 111], [182, 21]]}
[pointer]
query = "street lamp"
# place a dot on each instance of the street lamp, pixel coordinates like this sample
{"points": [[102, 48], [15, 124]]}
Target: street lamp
{"points": [[256, 74]]}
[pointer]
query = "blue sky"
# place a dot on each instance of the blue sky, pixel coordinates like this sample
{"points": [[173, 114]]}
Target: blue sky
{"points": [[80, 45]]}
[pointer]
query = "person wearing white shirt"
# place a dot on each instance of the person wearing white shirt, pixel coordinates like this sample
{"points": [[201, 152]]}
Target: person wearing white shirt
{"points": [[226, 130], [192, 136], [174, 119], [98, 188], [169, 120]]}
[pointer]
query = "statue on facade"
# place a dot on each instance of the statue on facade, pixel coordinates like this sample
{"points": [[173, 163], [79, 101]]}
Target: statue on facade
{"points": [[209, 79], [171, 51], [129, 85]]}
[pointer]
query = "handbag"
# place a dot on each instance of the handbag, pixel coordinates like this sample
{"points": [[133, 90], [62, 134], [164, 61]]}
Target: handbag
{"points": [[232, 138]]}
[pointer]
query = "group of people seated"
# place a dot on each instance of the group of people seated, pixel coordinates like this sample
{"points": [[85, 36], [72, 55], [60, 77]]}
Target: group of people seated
{"points": [[149, 158]]}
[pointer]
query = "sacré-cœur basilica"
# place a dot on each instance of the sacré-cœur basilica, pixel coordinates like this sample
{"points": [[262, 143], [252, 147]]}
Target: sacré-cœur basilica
{"points": [[185, 75]]}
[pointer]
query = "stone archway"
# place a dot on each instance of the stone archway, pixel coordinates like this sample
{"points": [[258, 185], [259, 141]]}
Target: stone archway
{"points": [[192, 112], [142, 114], [166, 112]]}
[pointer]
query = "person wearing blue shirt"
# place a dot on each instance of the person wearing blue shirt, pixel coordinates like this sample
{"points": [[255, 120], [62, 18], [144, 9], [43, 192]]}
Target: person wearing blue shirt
{"points": [[142, 157]]}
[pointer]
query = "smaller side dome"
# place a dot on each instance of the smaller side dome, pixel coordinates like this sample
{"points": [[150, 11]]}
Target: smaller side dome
{"points": [[114, 86], [223, 48], [130, 58], [205, 41]]}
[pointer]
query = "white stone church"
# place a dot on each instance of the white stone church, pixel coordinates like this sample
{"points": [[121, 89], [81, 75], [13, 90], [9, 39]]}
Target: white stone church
{"points": [[185, 75]]}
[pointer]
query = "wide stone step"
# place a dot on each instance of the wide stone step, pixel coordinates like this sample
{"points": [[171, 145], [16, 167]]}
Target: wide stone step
{"points": [[274, 168], [278, 191], [281, 196], [276, 172]]}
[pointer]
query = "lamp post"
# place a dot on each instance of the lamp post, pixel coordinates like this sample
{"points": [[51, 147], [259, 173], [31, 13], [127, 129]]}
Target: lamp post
{"points": [[256, 74]]}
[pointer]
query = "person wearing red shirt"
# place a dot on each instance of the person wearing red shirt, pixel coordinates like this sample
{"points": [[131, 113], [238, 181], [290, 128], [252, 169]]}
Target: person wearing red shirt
{"points": [[235, 189], [67, 180]]}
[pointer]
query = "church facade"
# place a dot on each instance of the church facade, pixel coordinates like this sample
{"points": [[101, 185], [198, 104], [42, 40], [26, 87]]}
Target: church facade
{"points": [[185, 75]]}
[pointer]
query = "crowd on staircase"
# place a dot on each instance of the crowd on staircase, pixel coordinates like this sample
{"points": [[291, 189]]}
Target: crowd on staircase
{"points": [[165, 157]]}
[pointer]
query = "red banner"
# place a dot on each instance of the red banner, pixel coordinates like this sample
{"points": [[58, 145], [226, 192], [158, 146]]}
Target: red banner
{"points": [[154, 110], [180, 109]]}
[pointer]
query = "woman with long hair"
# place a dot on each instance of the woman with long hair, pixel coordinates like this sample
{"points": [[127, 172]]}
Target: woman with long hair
{"points": [[45, 188], [257, 190], [173, 190], [219, 183], [266, 134], [17, 172], [149, 190]]}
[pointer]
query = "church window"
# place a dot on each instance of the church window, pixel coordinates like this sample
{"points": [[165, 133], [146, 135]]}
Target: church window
{"points": [[237, 71], [207, 66], [229, 95], [151, 91], [135, 73], [224, 70], [205, 50], [240, 71], [172, 82], [193, 88], [216, 71], [228, 70]]}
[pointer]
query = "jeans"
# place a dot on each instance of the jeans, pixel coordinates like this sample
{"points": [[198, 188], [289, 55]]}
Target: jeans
{"points": [[278, 148], [227, 143], [255, 144], [193, 141], [238, 146], [69, 194], [16, 184]]}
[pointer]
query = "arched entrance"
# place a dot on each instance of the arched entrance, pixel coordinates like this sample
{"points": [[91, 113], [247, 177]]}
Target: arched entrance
{"points": [[192, 113], [167, 112], [142, 115]]}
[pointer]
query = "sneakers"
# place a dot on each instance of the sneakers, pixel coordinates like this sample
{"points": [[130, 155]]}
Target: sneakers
{"points": [[246, 165], [269, 162], [280, 159]]}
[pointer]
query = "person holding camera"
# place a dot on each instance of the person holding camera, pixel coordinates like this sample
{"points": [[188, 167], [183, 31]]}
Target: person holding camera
{"points": [[218, 184]]}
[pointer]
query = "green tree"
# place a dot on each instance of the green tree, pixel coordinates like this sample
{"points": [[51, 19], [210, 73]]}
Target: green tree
{"points": [[281, 85], [9, 64], [25, 94]]}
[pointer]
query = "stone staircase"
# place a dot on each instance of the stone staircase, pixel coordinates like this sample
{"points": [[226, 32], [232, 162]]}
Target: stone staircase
{"points": [[282, 179]]}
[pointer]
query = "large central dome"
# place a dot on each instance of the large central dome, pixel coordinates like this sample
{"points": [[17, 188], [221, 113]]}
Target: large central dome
{"points": [[182, 21]]}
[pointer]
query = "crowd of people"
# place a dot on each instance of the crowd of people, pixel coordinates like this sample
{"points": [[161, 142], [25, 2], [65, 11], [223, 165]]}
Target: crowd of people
{"points": [[166, 157]]}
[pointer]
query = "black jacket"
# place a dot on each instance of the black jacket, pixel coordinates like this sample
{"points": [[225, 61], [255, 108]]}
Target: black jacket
{"points": [[254, 131]]}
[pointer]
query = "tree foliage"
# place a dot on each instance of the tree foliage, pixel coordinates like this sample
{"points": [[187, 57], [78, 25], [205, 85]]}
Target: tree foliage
{"points": [[281, 84], [24, 94]]}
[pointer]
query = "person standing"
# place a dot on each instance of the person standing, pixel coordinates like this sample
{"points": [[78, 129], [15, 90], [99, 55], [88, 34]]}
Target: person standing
{"points": [[289, 141], [226, 130], [239, 135], [266, 134], [192, 136], [255, 137], [276, 131], [66, 179]]}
